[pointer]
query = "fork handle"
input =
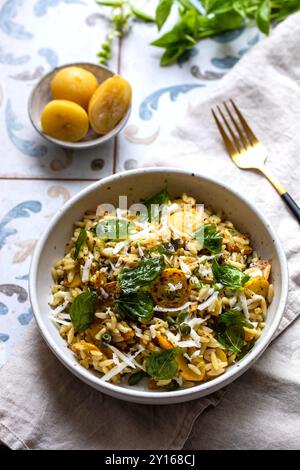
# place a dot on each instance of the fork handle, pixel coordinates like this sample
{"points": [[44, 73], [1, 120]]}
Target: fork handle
{"points": [[282, 192], [291, 204]]}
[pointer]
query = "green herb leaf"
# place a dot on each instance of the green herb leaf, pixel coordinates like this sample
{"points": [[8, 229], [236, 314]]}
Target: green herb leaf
{"points": [[131, 280], [79, 242], [228, 275], [153, 204], [230, 331], [247, 348], [263, 16], [162, 365], [164, 249], [136, 377], [212, 238], [135, 306], [82, 310], [141, 15], [111, 3], [162, 12], [113, 229]]}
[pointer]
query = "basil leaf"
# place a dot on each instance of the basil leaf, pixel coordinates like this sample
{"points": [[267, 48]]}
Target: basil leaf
{"points": [[113, 229], [230, 331], [263, 16], [141, 15], [162, 12], [82, 310], [164, 249], [135, 306], [80, 240], [228, 275], [162, 365], [211, 237], [153, 204], [131, 280], [247, 348]]}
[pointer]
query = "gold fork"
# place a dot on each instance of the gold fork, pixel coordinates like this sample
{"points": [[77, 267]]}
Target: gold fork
{"points": [[245, 149]]}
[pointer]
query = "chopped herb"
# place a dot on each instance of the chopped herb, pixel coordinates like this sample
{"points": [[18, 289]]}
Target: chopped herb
{"points": [[162, 365], [164, 249], [131, 280], [185, 329], [135, 306], [247, 348], [182, 316], [82, 310], [135, 378], [172, 386], [79, 242], [105, 339], [228, 275]]}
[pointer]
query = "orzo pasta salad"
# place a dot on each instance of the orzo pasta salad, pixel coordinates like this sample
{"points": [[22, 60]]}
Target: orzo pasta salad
{"points": [[171, 296]]}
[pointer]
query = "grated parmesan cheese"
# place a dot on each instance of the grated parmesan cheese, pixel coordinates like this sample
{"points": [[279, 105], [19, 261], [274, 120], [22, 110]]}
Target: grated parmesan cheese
{"points": [[86, 268], [208, 302]]}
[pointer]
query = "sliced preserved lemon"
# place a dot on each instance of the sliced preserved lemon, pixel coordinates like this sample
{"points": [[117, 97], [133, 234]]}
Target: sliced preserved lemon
{"points": [[186, 373], [109, 104], [258, 285], [171, 289]]}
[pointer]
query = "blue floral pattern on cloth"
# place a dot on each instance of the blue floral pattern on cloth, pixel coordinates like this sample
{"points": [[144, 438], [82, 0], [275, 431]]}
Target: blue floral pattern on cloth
{"points": [[8, 12], [150, 103]]}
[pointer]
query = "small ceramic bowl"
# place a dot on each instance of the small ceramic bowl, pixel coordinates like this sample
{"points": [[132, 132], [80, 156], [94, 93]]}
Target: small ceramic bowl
{"points": [[137, 185], [41, 95]]}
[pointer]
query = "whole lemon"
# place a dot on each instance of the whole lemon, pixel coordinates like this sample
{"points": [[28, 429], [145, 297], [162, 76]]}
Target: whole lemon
{"points": [[74, 84], [64, 120]]}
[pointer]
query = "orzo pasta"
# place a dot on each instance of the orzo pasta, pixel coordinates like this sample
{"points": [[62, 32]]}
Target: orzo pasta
{"points": [[173, 297]]}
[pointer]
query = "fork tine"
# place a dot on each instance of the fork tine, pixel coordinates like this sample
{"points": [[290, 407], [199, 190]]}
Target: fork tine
{"points": [[235, 140], [237, 127], [250, 134], [230, 148]]}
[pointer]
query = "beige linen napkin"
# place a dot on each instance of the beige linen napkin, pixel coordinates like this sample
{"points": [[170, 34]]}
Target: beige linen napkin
{"points": [[42, 405]]}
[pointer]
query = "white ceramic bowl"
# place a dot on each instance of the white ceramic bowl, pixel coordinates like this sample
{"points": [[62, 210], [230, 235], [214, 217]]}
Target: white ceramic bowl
{"points": [[41, 95], [139, 184]]}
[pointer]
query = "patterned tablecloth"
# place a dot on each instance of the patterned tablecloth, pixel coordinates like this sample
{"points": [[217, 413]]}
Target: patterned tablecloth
{"points": [[36, 178]]}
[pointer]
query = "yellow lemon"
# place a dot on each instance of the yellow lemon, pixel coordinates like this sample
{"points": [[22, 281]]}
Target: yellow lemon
{"points": [[74, 84], [64, 120], [109, 104]]}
